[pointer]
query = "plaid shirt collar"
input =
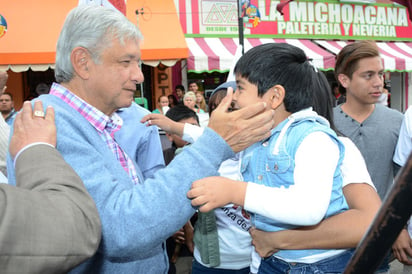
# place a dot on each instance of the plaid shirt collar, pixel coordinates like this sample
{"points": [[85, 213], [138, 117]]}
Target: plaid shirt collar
{"points": [[96, 118]]}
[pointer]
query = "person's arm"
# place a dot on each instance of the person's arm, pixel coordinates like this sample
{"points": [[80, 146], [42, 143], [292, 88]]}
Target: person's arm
{"points": [[189, 133], [313, 175], [239, 129], [49, 223], [344, 230]]}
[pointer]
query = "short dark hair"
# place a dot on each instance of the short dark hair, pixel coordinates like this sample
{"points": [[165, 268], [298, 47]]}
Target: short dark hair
{"points": [[7, 93], [181, 87], [273, 64], [180, 112]]}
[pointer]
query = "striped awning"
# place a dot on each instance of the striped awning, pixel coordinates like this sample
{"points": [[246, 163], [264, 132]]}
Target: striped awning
{"points": [[396, 56], [218, 54]]}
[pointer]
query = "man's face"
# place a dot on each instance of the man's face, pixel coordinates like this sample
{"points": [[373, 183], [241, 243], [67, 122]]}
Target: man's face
{"points": [[178, 140], [193, 87], [179, 93], [247, 94], [6, 104], [366, 84], [112, 82]]}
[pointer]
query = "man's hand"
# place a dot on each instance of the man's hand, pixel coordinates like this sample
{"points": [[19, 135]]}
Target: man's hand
{"points": [[164, 123], [244, 127], [30, 129], [262, 242], [402, 248]]}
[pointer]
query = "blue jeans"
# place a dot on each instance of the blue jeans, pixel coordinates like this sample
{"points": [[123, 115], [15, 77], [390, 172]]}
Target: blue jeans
{"points": [[198, 268], [335, 264]]}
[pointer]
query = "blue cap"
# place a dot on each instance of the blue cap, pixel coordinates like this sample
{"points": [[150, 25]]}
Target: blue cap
{"points": [[225, 85]]}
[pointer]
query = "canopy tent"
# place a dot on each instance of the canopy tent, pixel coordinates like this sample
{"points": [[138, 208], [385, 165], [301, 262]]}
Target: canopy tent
{"points": [[396, 56], [217, 54], [34, 26]]}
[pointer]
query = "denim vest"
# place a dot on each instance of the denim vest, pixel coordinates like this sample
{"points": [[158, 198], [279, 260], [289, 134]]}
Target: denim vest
{"points": [[272, 163]]}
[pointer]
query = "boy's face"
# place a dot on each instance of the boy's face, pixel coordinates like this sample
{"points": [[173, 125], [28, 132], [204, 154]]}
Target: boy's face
{"points": [[178, 140], [247, 94]]}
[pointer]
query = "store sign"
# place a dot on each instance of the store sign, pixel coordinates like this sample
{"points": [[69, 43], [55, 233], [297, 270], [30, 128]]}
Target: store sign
{"points": [[162, 81], [3, 26], [302, 19]]}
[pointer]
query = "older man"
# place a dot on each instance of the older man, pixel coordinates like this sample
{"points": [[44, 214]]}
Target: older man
{"points": [[97, 70]]}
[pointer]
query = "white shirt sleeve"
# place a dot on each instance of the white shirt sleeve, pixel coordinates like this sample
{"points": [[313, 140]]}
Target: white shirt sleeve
{"points": [[191, 133], [354, 170], [307, 200], [404, 145]]}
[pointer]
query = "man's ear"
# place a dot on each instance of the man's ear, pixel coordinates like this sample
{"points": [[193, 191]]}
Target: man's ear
{"points": [[344, 80], [278, 95], [80, 59]]}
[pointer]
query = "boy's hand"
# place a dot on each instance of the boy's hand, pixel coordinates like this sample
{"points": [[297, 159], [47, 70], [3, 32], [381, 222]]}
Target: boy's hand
{"points": [[213, 192]]}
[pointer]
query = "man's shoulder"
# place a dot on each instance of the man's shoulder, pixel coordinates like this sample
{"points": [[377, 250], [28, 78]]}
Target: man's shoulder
{"points": [[389, 113], [134, 111]]}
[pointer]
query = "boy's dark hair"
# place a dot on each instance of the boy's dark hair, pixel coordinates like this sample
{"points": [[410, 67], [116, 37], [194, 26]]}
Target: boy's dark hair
{"points": [[273, 64], [218, 94], [180, 112], [181, 87], [323, 100]]}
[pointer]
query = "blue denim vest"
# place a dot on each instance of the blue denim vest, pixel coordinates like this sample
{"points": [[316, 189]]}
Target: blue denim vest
{"points": [[271, 163]]}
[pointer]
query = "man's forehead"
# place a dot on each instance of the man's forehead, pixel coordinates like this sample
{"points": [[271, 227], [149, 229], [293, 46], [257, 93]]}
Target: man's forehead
{"points": [[370, 64]]}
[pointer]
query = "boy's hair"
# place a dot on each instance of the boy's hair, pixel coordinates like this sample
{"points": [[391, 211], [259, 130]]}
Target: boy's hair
{"points": [[180, 112], [218, 94], [181, 87], [273, 64], [323, 100]]}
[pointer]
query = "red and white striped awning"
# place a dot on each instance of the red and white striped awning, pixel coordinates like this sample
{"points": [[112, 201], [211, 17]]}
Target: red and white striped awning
{"points": [[396, 56], [218, 54]]}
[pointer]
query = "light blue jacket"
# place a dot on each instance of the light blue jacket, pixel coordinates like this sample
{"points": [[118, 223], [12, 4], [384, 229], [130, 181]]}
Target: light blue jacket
{"points": [[275, 166], [136, 219]]}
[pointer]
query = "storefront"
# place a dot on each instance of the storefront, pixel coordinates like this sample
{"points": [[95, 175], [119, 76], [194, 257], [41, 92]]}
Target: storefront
{"points": [[27, 48], [321, 29]]}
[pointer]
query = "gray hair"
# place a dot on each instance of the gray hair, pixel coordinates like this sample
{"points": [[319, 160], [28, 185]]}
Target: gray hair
{"points": [[93, 28], [190, 94]]}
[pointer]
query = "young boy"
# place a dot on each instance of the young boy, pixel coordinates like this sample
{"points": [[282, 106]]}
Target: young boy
{"points": [[299, 164]]}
